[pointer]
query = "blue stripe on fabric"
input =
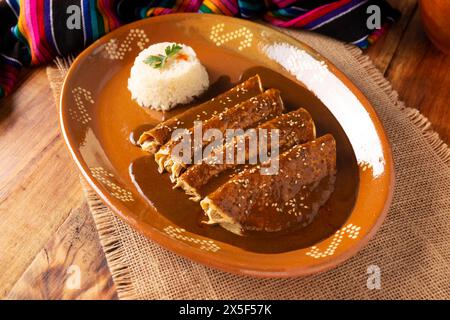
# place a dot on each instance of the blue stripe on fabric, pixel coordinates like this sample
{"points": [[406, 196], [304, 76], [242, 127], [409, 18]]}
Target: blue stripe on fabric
{"points": [[93, 10], [15, 6], [334, 13], [48, 26], [249, 8], [87, 23]]}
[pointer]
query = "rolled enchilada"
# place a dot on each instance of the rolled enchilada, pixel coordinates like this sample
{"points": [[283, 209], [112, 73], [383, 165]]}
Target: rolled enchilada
{"points": [[251, 201], [151, 140], [244, 115], [294, 128]]}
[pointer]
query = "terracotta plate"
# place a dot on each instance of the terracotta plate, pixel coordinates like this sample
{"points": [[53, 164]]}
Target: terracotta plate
{"points": [[98, 116]]}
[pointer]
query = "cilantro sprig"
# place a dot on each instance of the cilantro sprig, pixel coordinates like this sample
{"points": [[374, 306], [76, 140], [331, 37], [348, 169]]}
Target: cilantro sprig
{"points": [[158, 61]]}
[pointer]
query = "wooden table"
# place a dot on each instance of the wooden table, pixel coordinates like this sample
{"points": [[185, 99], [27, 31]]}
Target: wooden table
{"points": [[44, 228]]}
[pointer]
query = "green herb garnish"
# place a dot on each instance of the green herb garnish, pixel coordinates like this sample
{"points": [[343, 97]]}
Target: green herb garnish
{"points": [[159, 60]]}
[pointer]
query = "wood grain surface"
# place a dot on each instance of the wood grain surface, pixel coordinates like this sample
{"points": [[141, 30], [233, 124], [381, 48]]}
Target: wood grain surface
{"points": [[49, 246], [70, 266]]}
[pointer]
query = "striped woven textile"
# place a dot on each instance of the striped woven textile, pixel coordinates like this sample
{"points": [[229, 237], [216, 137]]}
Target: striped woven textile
{"points": [[34, 32]]}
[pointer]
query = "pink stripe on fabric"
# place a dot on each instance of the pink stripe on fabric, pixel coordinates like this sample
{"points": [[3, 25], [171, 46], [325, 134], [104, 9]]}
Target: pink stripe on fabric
{"points": [[193, 6], [284, 3], [33, 29], [311, 15], [231, 5]]}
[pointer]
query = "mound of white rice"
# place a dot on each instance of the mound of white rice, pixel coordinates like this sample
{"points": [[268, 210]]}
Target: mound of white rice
{"points": [[181, 78]]}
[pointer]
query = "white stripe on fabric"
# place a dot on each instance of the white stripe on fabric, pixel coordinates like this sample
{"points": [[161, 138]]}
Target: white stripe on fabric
{"points": [[339, 15]]}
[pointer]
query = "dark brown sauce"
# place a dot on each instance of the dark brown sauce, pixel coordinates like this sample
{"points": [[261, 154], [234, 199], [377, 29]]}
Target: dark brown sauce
{"points": [[222, 84], [175, 205], [313, 196], [136, 133]]}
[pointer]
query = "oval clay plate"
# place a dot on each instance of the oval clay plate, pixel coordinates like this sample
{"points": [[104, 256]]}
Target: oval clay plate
{"points": [[98, 120]]}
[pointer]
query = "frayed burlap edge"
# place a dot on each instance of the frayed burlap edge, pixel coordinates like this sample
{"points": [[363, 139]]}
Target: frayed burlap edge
{"points": [[104, 220], [111, 243], [419, 120]]}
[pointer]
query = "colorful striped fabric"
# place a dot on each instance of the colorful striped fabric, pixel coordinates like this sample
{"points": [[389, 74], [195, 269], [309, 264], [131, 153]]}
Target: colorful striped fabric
{"points": [[34, 32]]}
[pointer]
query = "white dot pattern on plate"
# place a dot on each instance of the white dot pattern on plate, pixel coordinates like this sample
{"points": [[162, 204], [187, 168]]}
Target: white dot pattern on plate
{"points": [[116, 51], [350, 230], [219, 37], [82, 97], [177, 233], [116, 191]]}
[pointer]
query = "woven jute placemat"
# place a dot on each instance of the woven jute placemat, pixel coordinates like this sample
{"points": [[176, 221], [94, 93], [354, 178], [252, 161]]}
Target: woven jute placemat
{"points": [[411, 250]]}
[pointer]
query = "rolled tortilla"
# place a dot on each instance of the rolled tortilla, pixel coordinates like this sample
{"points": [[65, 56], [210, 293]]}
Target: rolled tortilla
{"points": [[251, 201], [242, 116], [151, 140], [294, 128]]}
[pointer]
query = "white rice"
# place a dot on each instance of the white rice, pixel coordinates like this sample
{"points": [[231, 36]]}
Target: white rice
{"points": [[177, 82]]}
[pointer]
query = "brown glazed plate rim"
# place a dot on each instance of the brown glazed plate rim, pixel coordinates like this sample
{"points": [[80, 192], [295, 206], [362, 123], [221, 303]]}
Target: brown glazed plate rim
{"points": [[261, 264]]}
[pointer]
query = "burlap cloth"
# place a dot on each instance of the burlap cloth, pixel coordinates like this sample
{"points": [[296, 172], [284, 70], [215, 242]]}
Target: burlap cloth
{"points": [[412, 248]]}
